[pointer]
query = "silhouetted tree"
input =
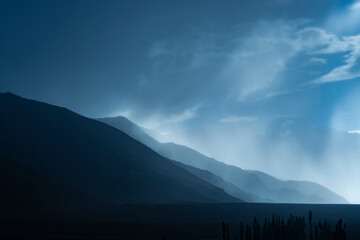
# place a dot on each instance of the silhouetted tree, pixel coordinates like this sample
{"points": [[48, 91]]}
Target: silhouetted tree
{"points": [[310, 225], [248, 232], [256, 230], [223, 227], [277, 228], [265, 230], [325, 232], [227, 232], [241, 237], [340, 232]]}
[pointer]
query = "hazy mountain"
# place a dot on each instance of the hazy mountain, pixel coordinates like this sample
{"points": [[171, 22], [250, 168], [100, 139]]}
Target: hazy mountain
{"points": [[221, 183], [89, 156], [315, 192], [255, 183]]}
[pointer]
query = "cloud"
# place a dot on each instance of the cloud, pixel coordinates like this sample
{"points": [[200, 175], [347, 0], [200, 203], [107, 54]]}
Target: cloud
{"points": [[355, 6], [244, 64], [354, 132], [313, 40], [276, 94], [236, 119], [160, 120], [260, 62], [236, 64], [187, 114], [338, 74], [351, 68], [317, 41], [317, 60], [261, 57]]}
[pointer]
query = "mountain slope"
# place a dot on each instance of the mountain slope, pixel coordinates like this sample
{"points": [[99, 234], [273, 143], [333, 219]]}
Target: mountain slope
{"points": [[184, 157], [251, 182], [221, 183], [314, 190], [101, 161], [24, 187]]}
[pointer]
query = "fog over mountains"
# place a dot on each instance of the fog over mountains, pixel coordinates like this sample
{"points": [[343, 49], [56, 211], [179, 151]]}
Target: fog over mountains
{"points": [[53, 156], [263, 187]]}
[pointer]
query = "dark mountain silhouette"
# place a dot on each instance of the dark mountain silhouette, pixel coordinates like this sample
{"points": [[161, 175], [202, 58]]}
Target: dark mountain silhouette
{"points": [[23, 187], [254, 183], [88, 157]]}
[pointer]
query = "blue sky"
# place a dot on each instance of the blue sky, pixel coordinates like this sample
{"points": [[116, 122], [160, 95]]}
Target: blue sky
{"points": [[174, 61], [202, 73]]}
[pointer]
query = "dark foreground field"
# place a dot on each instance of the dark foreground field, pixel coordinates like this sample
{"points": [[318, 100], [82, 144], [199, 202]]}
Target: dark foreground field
{"points": [[177, 221]]}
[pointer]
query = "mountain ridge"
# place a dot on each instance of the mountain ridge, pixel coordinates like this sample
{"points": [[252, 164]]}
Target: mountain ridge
{"points": [[101, 161], [251, 182]]}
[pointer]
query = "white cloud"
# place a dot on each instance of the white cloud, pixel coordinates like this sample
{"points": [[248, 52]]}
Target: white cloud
{"points": [[318, 42], [159, 121], [354, 132], [337, 74], [260, 57], [276, 94], [187, 114], [263, 56], [317, 60], [350, 69], [314, 41], [236, 119]]}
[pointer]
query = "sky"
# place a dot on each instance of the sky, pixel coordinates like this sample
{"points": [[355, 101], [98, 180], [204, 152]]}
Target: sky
{"points": [[268, 85]]}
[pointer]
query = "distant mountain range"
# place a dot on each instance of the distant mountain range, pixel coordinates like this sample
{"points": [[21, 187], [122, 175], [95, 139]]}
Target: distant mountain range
{"points": [[251, 186], [50, 155]]}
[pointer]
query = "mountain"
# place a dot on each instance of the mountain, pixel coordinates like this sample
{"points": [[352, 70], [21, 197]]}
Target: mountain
{"points": [[221, 183], [89, 158], [184, 157], [23, 187], [257, 185]]}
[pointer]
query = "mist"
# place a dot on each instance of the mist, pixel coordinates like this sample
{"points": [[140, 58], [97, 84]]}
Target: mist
{"points": [[281, 105], [325, 156]]}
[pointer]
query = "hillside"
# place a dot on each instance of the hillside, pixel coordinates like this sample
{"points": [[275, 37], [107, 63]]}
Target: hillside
{"points": [[253, 183], [100, 161]]}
